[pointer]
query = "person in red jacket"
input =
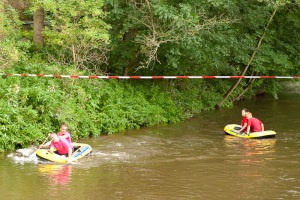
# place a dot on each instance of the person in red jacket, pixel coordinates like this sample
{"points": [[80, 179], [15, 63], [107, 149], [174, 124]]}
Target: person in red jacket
{"points": [[254, 124], [244, 120]]}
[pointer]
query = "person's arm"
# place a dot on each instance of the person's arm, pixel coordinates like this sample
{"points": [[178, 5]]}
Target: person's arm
{"points": [[69, 154], [51, 150], [248, 130], [45, 145], [244, 127], [64, 136], [262, 127]]}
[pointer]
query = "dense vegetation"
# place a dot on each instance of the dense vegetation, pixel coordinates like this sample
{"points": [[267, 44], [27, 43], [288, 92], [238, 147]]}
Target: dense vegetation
{"points": [[147, 37]]}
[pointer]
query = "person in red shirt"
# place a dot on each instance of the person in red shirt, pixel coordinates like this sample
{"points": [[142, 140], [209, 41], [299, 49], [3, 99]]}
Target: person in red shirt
{"points": [[254, 124], [63, 133], [244, 120], [62, 146]]}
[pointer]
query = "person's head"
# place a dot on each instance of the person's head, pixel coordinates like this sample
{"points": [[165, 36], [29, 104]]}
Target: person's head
{"points": [[244, 111], [54, 137], [249, 115], [63, 129]]}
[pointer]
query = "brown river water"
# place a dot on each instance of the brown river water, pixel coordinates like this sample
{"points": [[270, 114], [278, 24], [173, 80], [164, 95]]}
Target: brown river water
{"points": [[189, 160]]}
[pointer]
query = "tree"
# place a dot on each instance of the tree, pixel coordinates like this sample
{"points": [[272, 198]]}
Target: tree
{"points": [[275, 5], [2, 5], [38, 20], [11, 44], [229, 92], [142, 28], [77, 34]]}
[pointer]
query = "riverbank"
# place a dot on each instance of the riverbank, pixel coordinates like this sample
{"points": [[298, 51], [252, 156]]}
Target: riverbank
{"points": [[291, 87], [32, 107]]}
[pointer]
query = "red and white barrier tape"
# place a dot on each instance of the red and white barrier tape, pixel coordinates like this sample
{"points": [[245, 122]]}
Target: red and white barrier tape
{"points": [[146, 77]]}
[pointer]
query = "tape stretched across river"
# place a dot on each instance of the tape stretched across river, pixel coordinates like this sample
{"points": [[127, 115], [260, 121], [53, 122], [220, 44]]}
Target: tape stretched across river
{"points": [[148, 77]]}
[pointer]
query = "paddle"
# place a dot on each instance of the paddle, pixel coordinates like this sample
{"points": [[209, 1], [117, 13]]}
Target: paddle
{"points": [[44, 141], [39, 146]]}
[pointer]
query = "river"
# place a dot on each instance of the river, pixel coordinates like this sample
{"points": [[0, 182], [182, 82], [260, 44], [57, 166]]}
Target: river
{"points": [[186, 161]]}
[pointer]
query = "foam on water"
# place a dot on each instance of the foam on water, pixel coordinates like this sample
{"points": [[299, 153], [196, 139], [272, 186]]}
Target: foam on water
{"points": [[26, 155]]}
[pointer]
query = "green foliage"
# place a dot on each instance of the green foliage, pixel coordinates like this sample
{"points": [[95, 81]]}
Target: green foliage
{"points": [[191, 37], [32, 107], [13, 48], [19, 122], [77, 34], [141, 32]]}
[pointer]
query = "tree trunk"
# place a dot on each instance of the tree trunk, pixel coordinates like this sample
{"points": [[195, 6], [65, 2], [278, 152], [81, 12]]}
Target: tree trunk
{"points": [[38, 20], [245, 90], [2, 3], [74, 55], [130, 66], [229, 92], [19, 5]]}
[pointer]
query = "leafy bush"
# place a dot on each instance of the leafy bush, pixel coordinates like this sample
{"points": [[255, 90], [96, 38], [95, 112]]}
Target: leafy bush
{"points": [[32, 107]]}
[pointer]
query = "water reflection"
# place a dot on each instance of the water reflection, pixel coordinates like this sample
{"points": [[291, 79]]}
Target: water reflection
{"points": [[250, 161], [57, 174], [251, 151]]}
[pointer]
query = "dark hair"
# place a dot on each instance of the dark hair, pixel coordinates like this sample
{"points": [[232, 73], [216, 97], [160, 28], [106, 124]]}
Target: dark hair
{"points": [[245, 109]]}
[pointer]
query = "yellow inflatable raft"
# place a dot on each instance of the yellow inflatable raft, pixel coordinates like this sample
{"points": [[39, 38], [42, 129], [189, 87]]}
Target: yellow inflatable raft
{"points": [[232, 129], [80, 150]]}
